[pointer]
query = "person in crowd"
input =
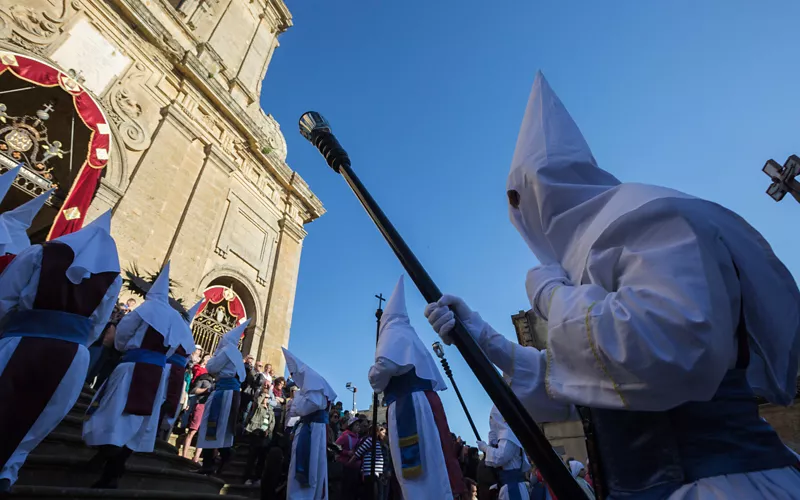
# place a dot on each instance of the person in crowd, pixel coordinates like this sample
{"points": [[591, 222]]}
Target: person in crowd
{"points": [[485, 475], [197, 370], [579, 473], [710, 313], [55, 299], [351, 472], [507, 457], [308, 469], [538, 490], [103, 357], [258, 429], [200, 368], [124, 415], [419, 437], [340, 411], [333, 424], [363, 453], [220, 414], [248, 386], [291, 418], [175, 371], [472, 489], [200, 391], [279, 401], [269, 373], [130, 304]]}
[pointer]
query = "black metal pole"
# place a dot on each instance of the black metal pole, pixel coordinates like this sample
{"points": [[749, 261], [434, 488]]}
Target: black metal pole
{"points": [[449, 374], [373, 479], [317, 131]]}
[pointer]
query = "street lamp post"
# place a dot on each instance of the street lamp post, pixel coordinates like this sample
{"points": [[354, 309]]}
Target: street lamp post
{"points": [[350, 387], [439, 350], [783, 178]]}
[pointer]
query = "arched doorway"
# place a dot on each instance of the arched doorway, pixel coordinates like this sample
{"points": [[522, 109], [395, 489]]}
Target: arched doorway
{"points": [[227, 303], [58, 133]]}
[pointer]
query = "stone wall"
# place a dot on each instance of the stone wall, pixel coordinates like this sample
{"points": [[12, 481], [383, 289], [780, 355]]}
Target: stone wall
{"points": [[197, 171]]}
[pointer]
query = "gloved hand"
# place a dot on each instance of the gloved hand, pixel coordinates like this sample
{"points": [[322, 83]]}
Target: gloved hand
{"points": [[442, 319], [483, 446], [540, 284]]}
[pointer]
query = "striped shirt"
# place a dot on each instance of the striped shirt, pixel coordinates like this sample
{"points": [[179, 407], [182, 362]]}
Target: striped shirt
{"points": [[364, 451]]}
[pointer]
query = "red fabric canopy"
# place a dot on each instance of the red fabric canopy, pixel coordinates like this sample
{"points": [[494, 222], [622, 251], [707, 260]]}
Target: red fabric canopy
{"points": [[70, 217], [216, 294]]}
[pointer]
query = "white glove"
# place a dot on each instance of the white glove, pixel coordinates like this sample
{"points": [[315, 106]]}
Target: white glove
{"points": [[541, 283], [483, 446], [441, 317]]}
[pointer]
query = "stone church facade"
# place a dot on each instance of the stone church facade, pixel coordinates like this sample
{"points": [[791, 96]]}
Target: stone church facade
{"points": [[195, 171]]}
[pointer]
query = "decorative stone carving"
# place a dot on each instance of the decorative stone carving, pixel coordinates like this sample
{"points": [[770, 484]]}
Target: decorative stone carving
{"points": [[35, 28], [125, 111]]}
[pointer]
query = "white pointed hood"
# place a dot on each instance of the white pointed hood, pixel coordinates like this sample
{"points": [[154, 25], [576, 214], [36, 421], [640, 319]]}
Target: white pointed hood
{"points": [[156, 311], [7, 180], [555, 175], [305, 377], [399, 347], [499, 426], [160, 289], [229, 346], [191, 313], [94, 248], [13, 234]]}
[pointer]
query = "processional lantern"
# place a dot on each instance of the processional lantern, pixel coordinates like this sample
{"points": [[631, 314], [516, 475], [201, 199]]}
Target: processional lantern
{"points": [[783, 178]]}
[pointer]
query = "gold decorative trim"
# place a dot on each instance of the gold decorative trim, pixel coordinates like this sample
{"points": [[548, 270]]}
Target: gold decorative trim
{"points": [[597, 358]]}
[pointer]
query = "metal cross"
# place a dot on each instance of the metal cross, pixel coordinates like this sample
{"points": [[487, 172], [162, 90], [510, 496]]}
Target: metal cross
{"points": [[48, 108], [783, 178], [381, 300]]}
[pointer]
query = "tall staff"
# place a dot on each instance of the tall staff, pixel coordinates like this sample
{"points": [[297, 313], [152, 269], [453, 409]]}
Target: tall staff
{"points": [[372, 478], [314, 128], [439, 350]]}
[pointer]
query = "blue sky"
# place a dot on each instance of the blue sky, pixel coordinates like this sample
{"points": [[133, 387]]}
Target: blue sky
{"points": [[427, 97]]}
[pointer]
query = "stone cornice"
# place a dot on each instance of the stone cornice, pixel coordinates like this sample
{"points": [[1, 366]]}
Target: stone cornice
{"points": [[292, 228], [223, 159], [188, 64]]}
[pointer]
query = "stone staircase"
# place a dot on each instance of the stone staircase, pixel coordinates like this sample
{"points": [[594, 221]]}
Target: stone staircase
{"points": [[55, 470]]}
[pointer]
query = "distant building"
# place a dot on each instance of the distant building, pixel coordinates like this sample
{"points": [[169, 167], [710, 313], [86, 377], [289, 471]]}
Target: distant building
{"points": [[566, 437], [382, 412]]}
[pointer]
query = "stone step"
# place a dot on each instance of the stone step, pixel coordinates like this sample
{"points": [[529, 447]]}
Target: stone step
{"points": [[242, 491], [61, 444], [57, 493], [61, 471], [72, 424]]}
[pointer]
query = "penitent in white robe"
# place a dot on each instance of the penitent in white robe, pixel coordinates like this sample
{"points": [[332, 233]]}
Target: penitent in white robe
{"points": [[306, 403], [18, 285], [508, 456], [434, 482], [221, 365], [110, 424]]}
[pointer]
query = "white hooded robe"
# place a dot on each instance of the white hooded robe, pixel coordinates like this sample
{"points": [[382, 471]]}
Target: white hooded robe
{"points": [[507, 455], [642, 259], [95, 253], [399, 351], [315, 394], [109, 424]]}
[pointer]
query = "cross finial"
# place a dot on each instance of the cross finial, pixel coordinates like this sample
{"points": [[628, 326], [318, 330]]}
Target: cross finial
{"points": [[381, 300], [48, 108]]}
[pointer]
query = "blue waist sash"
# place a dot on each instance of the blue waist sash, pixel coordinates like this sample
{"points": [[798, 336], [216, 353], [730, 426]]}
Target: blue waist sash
{"points": [[145, 356], [399, 392], [214, 412], [48, 324], [512, 478], [178, 360], [303, 448]]}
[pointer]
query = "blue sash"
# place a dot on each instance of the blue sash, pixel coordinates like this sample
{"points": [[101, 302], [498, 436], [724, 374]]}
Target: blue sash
{"points": [[512, 478], [399, 392], [178, 360], [145, 356], [48, 324], [303, 449], [222, 385]]}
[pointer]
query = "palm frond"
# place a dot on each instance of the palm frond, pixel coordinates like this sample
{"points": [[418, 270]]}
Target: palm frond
{"points": [[140, 283]]}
